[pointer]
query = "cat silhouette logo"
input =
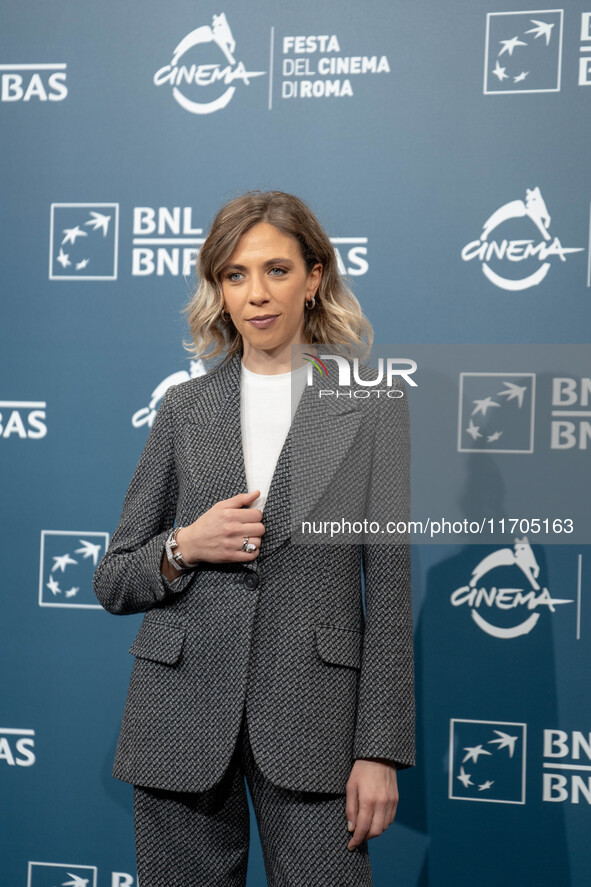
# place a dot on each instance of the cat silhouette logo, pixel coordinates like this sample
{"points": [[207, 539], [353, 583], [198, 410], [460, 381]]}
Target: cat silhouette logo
{"points": [[523, 51], [146, 415], [487, 761], [203, 69], [503, 594], [68, 561], [516, 255], [57, 874], [83, 241]]}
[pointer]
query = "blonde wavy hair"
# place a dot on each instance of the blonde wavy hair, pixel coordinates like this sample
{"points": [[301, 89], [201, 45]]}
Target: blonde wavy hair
{"points": [[336, 318]]}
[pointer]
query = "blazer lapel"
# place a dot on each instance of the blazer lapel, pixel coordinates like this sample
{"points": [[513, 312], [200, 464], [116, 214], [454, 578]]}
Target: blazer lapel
{"points": [[321, 434], [216, 459]]}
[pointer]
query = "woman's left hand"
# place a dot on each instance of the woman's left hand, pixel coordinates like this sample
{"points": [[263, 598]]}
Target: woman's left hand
{"points": [[372, 798]]}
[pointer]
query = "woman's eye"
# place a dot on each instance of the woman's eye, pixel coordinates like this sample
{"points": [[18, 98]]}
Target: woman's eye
{"points": [[233, 275], [280, 272]]}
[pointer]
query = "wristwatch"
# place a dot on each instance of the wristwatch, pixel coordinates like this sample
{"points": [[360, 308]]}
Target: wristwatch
{"points": [[175, 557]]}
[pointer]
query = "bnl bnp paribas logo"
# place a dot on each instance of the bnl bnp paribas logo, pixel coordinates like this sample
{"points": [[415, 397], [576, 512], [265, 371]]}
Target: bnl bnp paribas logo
{"points": [[516, 249], [17, 747], [67, 564], [55, 874], [497, 412], [204, 71], [523, 51], [63, 874], [488, 762], [23, 419], [32, 82], [83, 241]]}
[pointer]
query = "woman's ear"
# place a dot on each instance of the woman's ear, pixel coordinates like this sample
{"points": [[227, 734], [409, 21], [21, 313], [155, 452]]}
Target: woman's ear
{"points": [[314, 278]]}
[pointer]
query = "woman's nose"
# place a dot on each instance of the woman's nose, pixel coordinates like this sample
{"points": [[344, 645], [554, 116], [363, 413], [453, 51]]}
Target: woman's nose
{"points": [[257, 291]]}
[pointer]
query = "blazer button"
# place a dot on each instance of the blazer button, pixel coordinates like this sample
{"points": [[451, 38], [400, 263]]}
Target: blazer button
{"points": [[251, 581]]}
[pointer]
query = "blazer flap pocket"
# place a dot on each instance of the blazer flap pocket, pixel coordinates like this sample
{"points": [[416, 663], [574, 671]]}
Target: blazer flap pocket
{"points": [[338, 645], [159, 641]]}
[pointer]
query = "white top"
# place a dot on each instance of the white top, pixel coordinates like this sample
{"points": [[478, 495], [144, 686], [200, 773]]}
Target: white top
{"points": [[267, 407]]}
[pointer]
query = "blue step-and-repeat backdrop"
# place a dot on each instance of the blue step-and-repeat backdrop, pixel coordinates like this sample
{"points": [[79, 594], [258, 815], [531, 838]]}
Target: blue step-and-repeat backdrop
{"points": [[445, 148]]}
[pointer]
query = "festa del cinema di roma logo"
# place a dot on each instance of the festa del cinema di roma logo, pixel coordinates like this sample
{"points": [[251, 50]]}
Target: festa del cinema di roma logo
{"points": [[504, 252], [187, 77], [508, 602]]}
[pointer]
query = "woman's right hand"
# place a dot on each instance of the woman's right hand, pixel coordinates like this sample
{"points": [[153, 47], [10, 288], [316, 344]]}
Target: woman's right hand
{"points": [[218, 535]]}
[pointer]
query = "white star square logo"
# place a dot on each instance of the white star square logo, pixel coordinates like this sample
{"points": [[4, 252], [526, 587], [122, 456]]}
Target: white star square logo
{"points": [[487, 761], [67, 564], [523, 51], [496, 413], [83, 241], [57, 874]]}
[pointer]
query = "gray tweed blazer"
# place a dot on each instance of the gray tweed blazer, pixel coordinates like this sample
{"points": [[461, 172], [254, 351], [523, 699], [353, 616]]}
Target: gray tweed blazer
{"points": [[324, 682]]}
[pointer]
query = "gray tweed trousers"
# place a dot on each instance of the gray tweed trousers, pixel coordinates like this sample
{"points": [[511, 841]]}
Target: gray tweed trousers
{"points": [[201, 839]]}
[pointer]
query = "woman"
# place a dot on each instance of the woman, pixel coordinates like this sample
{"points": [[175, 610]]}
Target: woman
{"points": [[255, 658]]}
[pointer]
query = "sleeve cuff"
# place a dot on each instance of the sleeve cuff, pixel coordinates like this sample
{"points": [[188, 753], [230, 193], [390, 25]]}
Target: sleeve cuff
{"points": [[166, 587]]}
